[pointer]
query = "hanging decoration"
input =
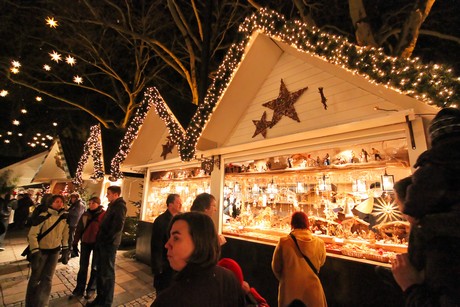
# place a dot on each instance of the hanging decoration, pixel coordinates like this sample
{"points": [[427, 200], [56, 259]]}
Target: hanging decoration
{"points": [[430, 83], [93, 147], [168, 147], [262, 125], [323, 98]]}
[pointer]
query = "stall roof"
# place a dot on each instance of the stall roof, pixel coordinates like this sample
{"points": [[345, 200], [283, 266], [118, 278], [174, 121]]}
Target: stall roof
{"points": [[358, 83], [25, 170], [61, 161]]}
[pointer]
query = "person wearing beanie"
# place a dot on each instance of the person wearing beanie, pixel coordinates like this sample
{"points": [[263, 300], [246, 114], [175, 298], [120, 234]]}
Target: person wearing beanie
{"points": [[433, 200], [252, 297]]}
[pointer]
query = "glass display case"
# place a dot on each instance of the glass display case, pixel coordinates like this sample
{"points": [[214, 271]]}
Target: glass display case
{"points": [[346, 192], [186, 182]]}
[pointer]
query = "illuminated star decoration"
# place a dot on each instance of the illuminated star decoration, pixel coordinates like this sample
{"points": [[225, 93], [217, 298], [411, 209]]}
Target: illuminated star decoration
{"points": [[51, 22], [386, 211], [77, 79], [284, 104], [16, 122], [46, 67], [3, 93], [55, 56], [168, 147], [262, 125], [16, 64], [70, 60]]}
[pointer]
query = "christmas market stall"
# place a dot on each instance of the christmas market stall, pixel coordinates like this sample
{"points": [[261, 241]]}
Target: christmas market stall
{"points": [[297, 119]]}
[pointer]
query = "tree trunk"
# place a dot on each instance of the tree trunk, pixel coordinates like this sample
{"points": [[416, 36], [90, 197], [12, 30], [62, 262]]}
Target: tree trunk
{"points": [[363, 30]]}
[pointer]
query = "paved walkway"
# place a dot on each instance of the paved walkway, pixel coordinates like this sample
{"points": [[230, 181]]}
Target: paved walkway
{"points": [[133, 280]]}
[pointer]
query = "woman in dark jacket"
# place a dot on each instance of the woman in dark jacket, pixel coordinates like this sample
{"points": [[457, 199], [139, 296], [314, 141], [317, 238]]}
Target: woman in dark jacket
{"points": [[193, 251]]}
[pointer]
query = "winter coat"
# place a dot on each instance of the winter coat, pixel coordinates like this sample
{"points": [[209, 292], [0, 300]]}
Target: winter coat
{"points": [[75, 211], [160, 235], [434, 246], [296, 278], [57, 238], [204, 287], [111, 227], [85, 232]]}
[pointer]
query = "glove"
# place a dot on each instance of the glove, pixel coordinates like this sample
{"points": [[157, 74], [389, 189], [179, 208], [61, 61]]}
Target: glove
{"points": [[65, 256]]}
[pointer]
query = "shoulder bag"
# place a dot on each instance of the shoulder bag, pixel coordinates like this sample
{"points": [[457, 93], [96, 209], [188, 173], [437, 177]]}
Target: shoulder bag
{"points": [[304, 257]]}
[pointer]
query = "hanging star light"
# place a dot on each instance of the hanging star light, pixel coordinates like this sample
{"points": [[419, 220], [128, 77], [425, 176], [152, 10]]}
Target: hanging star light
{"points": [[46, 67], [38, 98], [3, 93], [283, 105], [51, 22], [55, 56], [77, 79], [24, 111], [16, 64], [14, 70], [16, 122], [70, 60]]}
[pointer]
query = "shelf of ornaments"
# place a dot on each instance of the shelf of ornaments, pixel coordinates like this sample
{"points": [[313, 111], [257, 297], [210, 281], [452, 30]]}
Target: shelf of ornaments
{"points": [[349, 237]]}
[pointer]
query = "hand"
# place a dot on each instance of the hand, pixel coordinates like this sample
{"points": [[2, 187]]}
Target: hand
{"points": [[405, 273], [65, 256]]}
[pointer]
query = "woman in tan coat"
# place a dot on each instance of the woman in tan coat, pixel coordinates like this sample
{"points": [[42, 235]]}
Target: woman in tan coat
{"points": [[296, 278]]}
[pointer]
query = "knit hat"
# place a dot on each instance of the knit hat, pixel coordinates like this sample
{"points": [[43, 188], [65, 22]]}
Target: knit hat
{"points": [[233, 266], [445, 124]]}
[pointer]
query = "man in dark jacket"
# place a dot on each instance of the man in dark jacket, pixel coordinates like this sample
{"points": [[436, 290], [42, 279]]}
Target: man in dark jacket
{"points": [[161, 269], [107, 242], [76, 209]]}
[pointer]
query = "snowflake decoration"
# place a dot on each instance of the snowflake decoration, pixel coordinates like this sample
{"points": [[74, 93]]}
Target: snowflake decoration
{"points": [[77, 79], [55, 56], [70, 60], [16, 64], [386, 211], [3, 93], [51, 22], [46, 67]]}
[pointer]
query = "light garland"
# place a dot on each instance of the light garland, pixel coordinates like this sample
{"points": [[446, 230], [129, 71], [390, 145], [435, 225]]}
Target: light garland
{"points": [[92, 146], [131, 134], [431, 83]]}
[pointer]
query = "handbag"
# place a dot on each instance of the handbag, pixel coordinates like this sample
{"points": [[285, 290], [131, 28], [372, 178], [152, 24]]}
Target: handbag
{"points": [[304, 257], [26, 252]]}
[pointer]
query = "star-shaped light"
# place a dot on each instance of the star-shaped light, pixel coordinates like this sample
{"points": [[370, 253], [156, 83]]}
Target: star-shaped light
{"points": [[16, 122], [284, 104], [70, 60], [77, 79], [262, 125], [38, 98], [3, 93], [16, 64], [55, 56], [51, 22], [386, 211], [46, 67], [14, 70], [23, 111]]}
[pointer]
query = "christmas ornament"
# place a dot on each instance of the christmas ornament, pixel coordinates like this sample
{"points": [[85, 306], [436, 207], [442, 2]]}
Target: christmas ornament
{"points": [[262, 125], [167, 148]]}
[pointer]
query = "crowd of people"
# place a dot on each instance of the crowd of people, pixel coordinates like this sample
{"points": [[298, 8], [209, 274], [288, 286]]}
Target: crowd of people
{"points": [[186, 248]]}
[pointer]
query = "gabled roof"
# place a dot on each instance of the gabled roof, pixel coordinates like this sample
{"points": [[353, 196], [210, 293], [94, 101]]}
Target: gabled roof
{"points": [[397, 77], [24, 170], [61, 161]]}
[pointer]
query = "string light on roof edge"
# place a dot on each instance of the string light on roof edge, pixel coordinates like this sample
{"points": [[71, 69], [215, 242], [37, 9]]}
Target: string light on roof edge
{"points": [[432, 84], [93, 147], [131, 134]]}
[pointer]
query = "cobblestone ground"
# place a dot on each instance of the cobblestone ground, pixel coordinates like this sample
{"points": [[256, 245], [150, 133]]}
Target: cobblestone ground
{"points": [[67, 276]]}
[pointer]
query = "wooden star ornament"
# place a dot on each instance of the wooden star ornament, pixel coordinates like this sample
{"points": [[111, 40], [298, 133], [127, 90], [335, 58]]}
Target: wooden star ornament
{"points": [[262, 125], [283, 105], [167, 148]]}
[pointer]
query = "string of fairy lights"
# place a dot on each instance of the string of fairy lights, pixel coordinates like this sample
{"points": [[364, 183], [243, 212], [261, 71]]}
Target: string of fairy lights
{"points": [[431, 83], [93, 147]]}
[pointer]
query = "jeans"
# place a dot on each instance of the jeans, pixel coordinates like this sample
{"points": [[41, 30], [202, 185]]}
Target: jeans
{"points": [[39, 286], [4, 222], [71, 236], [105, 273], [82, 276]]}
